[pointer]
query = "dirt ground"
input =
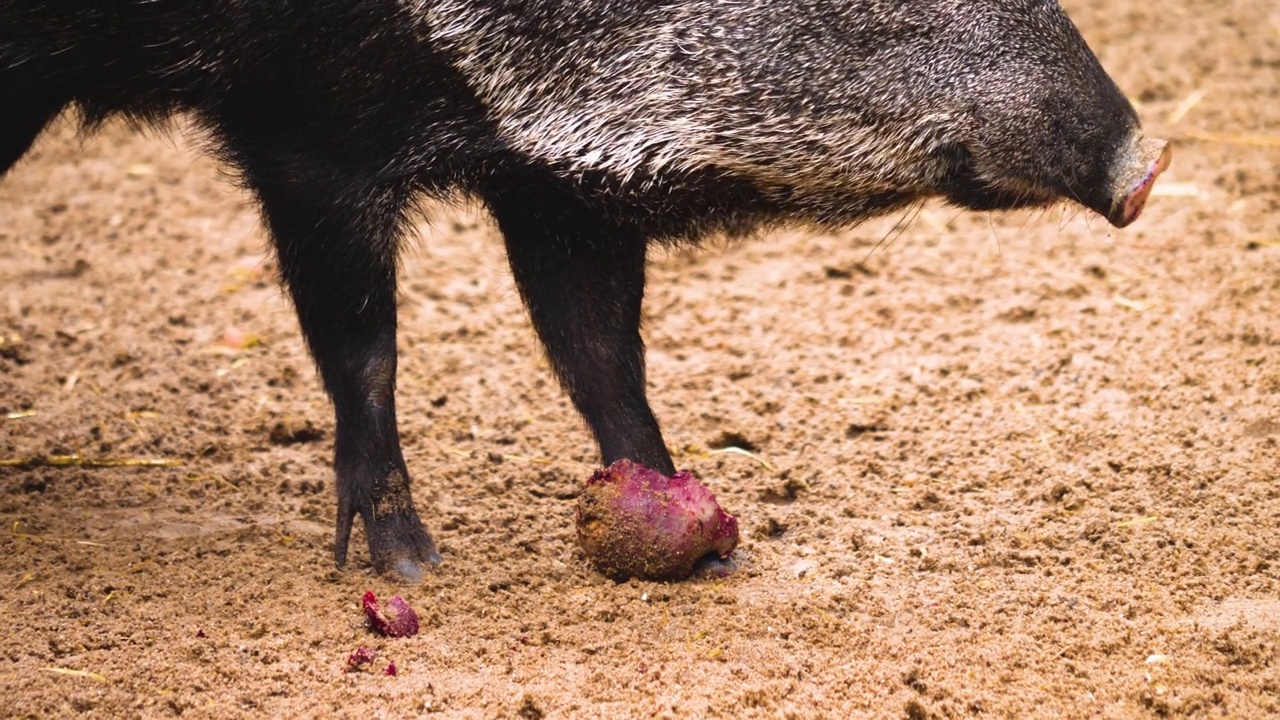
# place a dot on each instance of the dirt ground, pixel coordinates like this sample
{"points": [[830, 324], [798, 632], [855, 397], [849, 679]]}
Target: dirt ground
{"points": [[1013, 465]]}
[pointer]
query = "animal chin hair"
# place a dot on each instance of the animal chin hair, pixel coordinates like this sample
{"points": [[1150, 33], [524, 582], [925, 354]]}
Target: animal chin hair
{"points": [[1025, 190]]}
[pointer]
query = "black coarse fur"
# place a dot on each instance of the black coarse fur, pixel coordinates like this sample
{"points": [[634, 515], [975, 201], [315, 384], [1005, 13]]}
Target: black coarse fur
{"points": [[590, 129]]}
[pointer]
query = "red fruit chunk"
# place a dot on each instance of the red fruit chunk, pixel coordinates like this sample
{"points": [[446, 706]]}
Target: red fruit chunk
{"points": [[361, 657], [397, 620], [637, 522], [391, 669]]}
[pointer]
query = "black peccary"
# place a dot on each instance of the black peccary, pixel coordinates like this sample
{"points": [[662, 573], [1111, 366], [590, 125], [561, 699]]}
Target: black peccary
{"points": [[590, 129]]}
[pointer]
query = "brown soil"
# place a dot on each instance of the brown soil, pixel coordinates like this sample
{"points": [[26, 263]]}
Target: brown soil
{"points": [[1020, 465]]}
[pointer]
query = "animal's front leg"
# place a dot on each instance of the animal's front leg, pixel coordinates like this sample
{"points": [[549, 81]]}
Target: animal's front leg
{"points": [[583, 281]]}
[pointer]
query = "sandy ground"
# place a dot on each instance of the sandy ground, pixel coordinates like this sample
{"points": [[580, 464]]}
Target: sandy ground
{"points": [[1018, 465]]}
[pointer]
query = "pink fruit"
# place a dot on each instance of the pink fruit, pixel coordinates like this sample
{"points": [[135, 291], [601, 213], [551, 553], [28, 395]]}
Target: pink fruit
{"points": [[397, 620], [637, 522], [361, 657]]}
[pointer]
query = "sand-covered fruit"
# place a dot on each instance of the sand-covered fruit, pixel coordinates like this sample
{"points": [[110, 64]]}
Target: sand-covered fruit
{"points": [[637, 522], [397, 619]]}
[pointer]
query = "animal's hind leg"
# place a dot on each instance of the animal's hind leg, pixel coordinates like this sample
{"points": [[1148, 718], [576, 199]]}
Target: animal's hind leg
{"points": [[336, 229], [21, 122]]}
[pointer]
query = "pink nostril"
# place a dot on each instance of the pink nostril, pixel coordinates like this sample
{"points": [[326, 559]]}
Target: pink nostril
{"points": [[1136, 200]]}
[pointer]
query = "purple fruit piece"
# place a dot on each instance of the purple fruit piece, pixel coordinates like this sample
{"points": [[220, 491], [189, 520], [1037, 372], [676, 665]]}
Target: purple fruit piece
{"points": [[636, 522], [397, 620], [391, 669], [361, 657]]}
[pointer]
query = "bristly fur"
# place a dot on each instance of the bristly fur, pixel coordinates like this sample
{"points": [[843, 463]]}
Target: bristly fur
{"points": [[820, 112], [590, 129]]}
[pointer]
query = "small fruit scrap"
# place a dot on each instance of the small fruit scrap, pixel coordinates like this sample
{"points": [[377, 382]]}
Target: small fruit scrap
{"points": [[396, 620], [391, 669], [636, 522], [361, 657]]}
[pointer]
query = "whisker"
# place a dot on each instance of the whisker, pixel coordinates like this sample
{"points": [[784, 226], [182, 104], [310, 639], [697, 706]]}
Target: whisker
{"points": [[995, 235], [909, 216], [1088, 224], [1064, 219], [1022, 229]]}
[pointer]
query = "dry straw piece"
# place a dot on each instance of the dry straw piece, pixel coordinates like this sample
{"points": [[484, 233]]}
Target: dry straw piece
{"points": [[78, 461]]}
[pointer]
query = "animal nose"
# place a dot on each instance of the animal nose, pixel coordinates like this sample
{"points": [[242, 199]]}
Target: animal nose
{"points": [[1133, 176]]}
